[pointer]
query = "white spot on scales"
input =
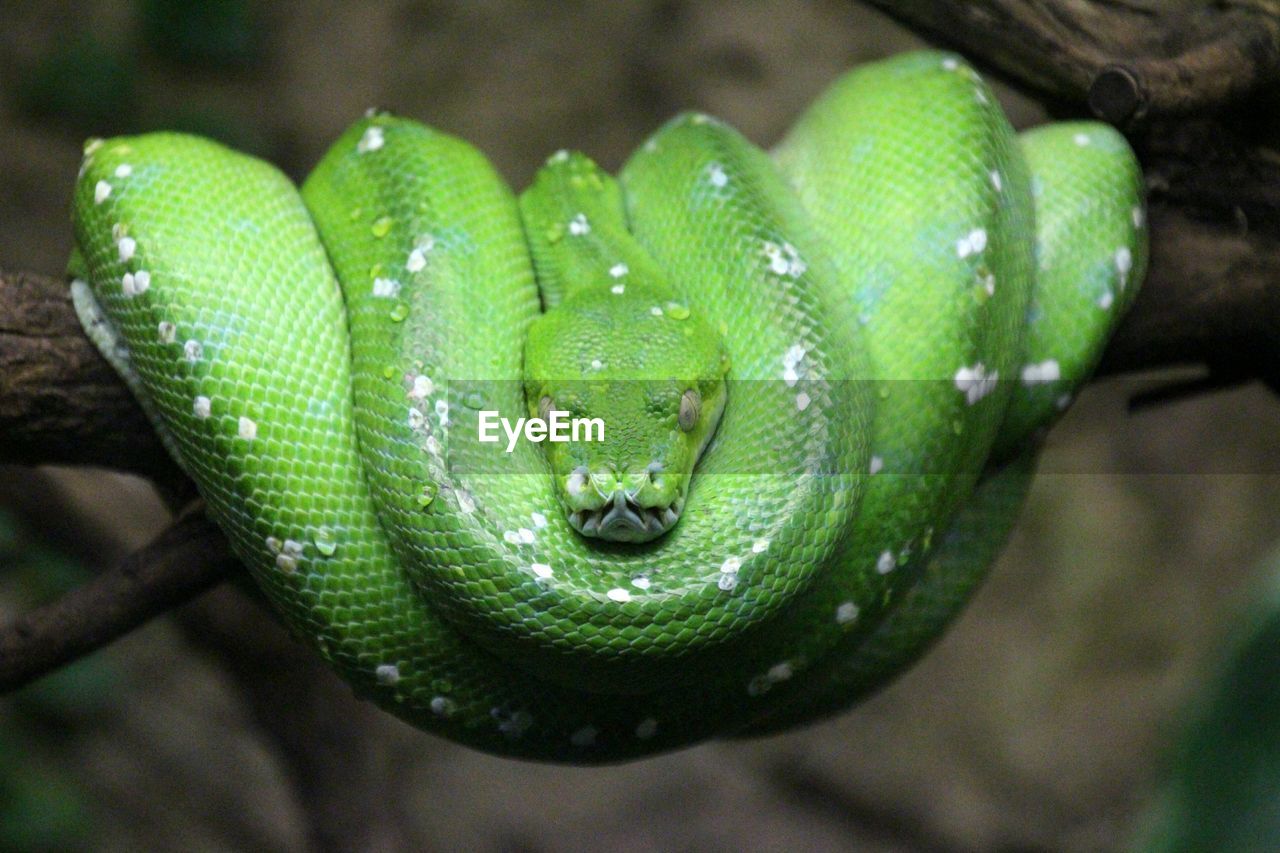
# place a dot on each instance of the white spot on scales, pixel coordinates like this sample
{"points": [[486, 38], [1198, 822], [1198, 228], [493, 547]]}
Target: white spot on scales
{"points": [[975, 382], [466, 503], [1124, 263], [422, 388], [784, 259], [287, 559], [135, 283], [371, 140], [972, 243], [1044, 371], [418, 256], [846, 613]]}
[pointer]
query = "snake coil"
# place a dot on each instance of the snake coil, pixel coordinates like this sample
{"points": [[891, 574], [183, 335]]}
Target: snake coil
{"points": [[821, 372]]}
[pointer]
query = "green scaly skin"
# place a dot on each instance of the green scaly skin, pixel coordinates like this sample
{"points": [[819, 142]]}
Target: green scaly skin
{"points": [[821, 374]]}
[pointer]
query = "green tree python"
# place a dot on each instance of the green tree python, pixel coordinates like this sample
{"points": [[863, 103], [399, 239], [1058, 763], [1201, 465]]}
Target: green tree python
{"points": [[821, 373]]}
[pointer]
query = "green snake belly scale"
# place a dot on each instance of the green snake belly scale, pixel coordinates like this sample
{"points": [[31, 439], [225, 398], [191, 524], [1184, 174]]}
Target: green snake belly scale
{"points": [[821, 372]]}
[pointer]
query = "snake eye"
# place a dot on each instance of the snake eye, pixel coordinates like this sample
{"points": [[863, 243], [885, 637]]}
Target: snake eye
{"points": [[544, 407], [690, 406]]}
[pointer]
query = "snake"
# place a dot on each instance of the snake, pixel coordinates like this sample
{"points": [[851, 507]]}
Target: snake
{"points": [[819, 376]]}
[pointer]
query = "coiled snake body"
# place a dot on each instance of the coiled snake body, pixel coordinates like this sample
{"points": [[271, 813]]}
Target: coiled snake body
{"points": [[819, 372]]}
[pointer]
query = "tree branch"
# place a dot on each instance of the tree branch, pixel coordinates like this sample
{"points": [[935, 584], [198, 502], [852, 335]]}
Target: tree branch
{"points": [[182, 562], [1127, 58], [60, 402], [1210, 299]]}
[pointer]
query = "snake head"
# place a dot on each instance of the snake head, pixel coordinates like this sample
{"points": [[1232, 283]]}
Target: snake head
{"points": [[654, 380]]}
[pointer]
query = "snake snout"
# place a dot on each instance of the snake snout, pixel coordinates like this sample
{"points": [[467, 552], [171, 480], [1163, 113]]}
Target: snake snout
{"points": [[621, 519]]}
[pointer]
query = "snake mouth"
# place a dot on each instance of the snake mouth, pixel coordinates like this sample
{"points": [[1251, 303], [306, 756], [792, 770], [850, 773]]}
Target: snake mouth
{"points": [[621, 519]]}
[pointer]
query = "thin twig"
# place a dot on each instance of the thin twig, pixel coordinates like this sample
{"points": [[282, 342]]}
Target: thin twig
{"points": [[180, 563]]}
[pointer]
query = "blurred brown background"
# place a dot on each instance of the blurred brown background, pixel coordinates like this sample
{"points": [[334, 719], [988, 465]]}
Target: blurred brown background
{"points": [[1038, 723]]}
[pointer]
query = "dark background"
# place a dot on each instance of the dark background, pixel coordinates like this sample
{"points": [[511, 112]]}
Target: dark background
{"points": [[1039, 722]]}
